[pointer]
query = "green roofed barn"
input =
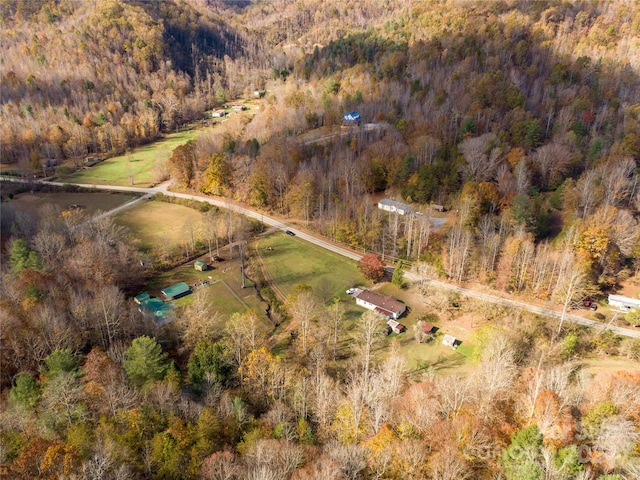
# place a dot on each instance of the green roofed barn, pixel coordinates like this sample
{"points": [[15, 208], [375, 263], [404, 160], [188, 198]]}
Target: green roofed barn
{"points": [[176, 291], [139, 299], [161, 311]]}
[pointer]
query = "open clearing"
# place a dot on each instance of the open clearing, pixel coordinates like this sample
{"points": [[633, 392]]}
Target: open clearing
{"points": [[225, 294], [292, 261], [136, 168], [159, 225], [609, 364], [156, 225], [88, 203]]}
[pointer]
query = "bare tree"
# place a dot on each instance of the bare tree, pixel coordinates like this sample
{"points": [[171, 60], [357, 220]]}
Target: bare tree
{"points": [[243, 334], [351, 459], [220, 466], [522, 177], [368, 333], [324, 401], [490, 242], [454, 391], [108, 307], [552, 160], [424, 271], [616, 438], [198, 321], [482, 156], [496, 374], [459, 247], [102, 463], [61, 400], [616, 177], [570, 286], [624, 231], [590, 192], [304, 309], [336, 313], [273, 459], [417, 406], [447, 464], [426, 148], [385, 386]]}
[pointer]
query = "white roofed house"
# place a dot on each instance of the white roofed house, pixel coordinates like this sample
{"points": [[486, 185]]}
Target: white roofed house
{"points": [[384, 305], [389, 205], [624, 303]]}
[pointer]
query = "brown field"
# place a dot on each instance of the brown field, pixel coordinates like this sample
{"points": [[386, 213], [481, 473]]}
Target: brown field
{"points": [[154, 224], [88, 203], [609, 364]]}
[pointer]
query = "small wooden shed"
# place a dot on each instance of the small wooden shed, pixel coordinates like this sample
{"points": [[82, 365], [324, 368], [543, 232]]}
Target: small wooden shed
{"points": [[450, 341], [428, 328], [201, 266]]}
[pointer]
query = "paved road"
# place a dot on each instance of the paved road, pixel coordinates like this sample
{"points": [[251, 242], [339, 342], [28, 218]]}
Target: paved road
{"points": [[508, 302], [267, 220]]}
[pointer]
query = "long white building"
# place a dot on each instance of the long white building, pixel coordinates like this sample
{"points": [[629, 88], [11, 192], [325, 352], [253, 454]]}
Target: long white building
{"points": [[624, 303]]}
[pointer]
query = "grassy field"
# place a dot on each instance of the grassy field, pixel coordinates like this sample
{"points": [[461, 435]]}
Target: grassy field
{"points": [[155, 224], [89, 203], [292, 261], [138, 165]]}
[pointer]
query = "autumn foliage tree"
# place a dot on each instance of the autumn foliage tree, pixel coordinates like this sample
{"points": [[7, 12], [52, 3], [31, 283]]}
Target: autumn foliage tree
{"points": [[372, 267]]}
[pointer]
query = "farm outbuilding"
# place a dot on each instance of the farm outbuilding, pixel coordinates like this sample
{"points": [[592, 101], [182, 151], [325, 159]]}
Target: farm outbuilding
{"points": [[450, 341], [201, 266], [428, 328], [176, 291], [396, 327], [139, 299], [159, 310]]}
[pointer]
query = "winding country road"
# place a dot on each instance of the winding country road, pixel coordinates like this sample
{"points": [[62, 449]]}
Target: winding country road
{"points": [[271, 221]]}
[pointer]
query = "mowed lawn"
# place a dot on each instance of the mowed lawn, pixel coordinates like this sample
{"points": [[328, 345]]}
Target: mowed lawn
{"points": [[138, 166], [292, 261], [155, 225]]}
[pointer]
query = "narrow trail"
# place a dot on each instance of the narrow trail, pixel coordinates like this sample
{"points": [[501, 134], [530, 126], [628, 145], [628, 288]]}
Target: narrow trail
{"points": [[267, 278]]}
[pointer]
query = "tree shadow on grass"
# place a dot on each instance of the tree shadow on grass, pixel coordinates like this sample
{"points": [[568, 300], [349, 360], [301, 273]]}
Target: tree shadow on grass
{"points": [[443, 362]]}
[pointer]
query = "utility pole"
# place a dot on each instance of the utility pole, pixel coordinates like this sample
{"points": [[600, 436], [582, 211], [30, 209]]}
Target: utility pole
{"points": [[242, 264]]}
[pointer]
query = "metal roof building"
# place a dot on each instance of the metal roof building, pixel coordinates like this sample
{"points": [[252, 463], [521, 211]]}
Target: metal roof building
{"points": [[176, 291], [624, 303]]}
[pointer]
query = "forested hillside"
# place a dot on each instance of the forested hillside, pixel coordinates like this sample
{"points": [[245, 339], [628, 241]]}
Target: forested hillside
{"points": [[82, 78], [522, 119]]}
